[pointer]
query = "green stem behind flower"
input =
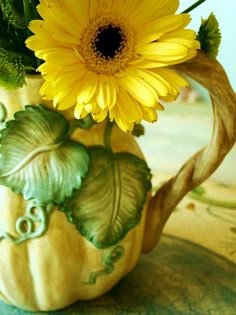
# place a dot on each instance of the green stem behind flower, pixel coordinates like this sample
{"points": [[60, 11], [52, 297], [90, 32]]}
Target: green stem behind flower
{"points": [[27, 11], [107, 134], [30, 13], [194, 6]]}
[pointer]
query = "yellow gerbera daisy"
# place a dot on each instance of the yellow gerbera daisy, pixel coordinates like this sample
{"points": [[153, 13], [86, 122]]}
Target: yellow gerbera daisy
{"points": [[111, 57]]}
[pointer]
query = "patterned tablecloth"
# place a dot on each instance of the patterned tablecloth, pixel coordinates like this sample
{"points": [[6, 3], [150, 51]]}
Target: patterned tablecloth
{"points": [[191, 272]]}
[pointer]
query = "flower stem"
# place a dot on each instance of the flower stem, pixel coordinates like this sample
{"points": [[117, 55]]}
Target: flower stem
{"points": [[30, 12], [26, 5], [107, 134], [194, 6]]}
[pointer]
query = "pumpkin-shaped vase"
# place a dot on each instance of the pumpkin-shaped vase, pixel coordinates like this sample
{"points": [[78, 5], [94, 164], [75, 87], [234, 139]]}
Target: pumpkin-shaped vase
{"points": [[51, 253]]}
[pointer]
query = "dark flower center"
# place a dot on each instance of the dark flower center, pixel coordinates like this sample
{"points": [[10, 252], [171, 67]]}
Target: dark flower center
{"points": [[109, 41]]}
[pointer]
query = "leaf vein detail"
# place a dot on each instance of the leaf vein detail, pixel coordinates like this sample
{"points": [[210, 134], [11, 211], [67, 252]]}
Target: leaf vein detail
{"points": [[30, 156]]}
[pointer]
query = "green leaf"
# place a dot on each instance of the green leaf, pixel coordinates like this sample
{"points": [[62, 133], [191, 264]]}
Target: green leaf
{"points": [[36, 158], [110, 200]]}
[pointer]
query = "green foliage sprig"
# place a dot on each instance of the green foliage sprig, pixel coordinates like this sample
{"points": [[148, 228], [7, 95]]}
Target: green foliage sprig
{"points": [[209, 36], [15, 58]]}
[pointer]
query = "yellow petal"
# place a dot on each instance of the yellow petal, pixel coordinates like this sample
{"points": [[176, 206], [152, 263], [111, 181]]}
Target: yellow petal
{"points": [[63, 18], [106, 92], [149, 114], [66, 39], [174, 80], [124, 8], [98, 114], [155, 29], [67, 101], [79, 111], [129, 108], [46, 91], [66, 81], [87, 88], [184, 34], [124, 125], [63, 58], [67, 98], [43, 39], [44, 11], [149, 10], [163, 51], [185, 38], [137, 88], [48, 71], [79, 11], [150, 64], [126, 112], [154, 80]]}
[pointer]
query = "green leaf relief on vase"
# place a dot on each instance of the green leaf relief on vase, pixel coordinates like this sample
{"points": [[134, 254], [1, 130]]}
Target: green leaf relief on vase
{"points": [[102, 193]]}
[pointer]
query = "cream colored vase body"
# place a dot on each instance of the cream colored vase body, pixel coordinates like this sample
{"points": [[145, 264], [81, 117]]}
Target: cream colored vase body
{"points": [[54, 270]]}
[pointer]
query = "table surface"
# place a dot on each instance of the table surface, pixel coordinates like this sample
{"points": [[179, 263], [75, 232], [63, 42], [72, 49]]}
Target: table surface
{"points": [[192, 271]]}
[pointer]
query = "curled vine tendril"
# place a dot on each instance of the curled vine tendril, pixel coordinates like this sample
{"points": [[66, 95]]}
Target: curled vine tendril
{"points": [[32, 224], [111, 256]]}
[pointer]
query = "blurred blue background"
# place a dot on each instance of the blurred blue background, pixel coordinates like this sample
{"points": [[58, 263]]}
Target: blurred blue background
{"points": [[224, 11]]}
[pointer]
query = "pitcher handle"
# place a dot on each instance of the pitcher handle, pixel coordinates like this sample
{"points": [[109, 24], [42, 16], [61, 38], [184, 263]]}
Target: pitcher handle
{"points": [[211, 75]]}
